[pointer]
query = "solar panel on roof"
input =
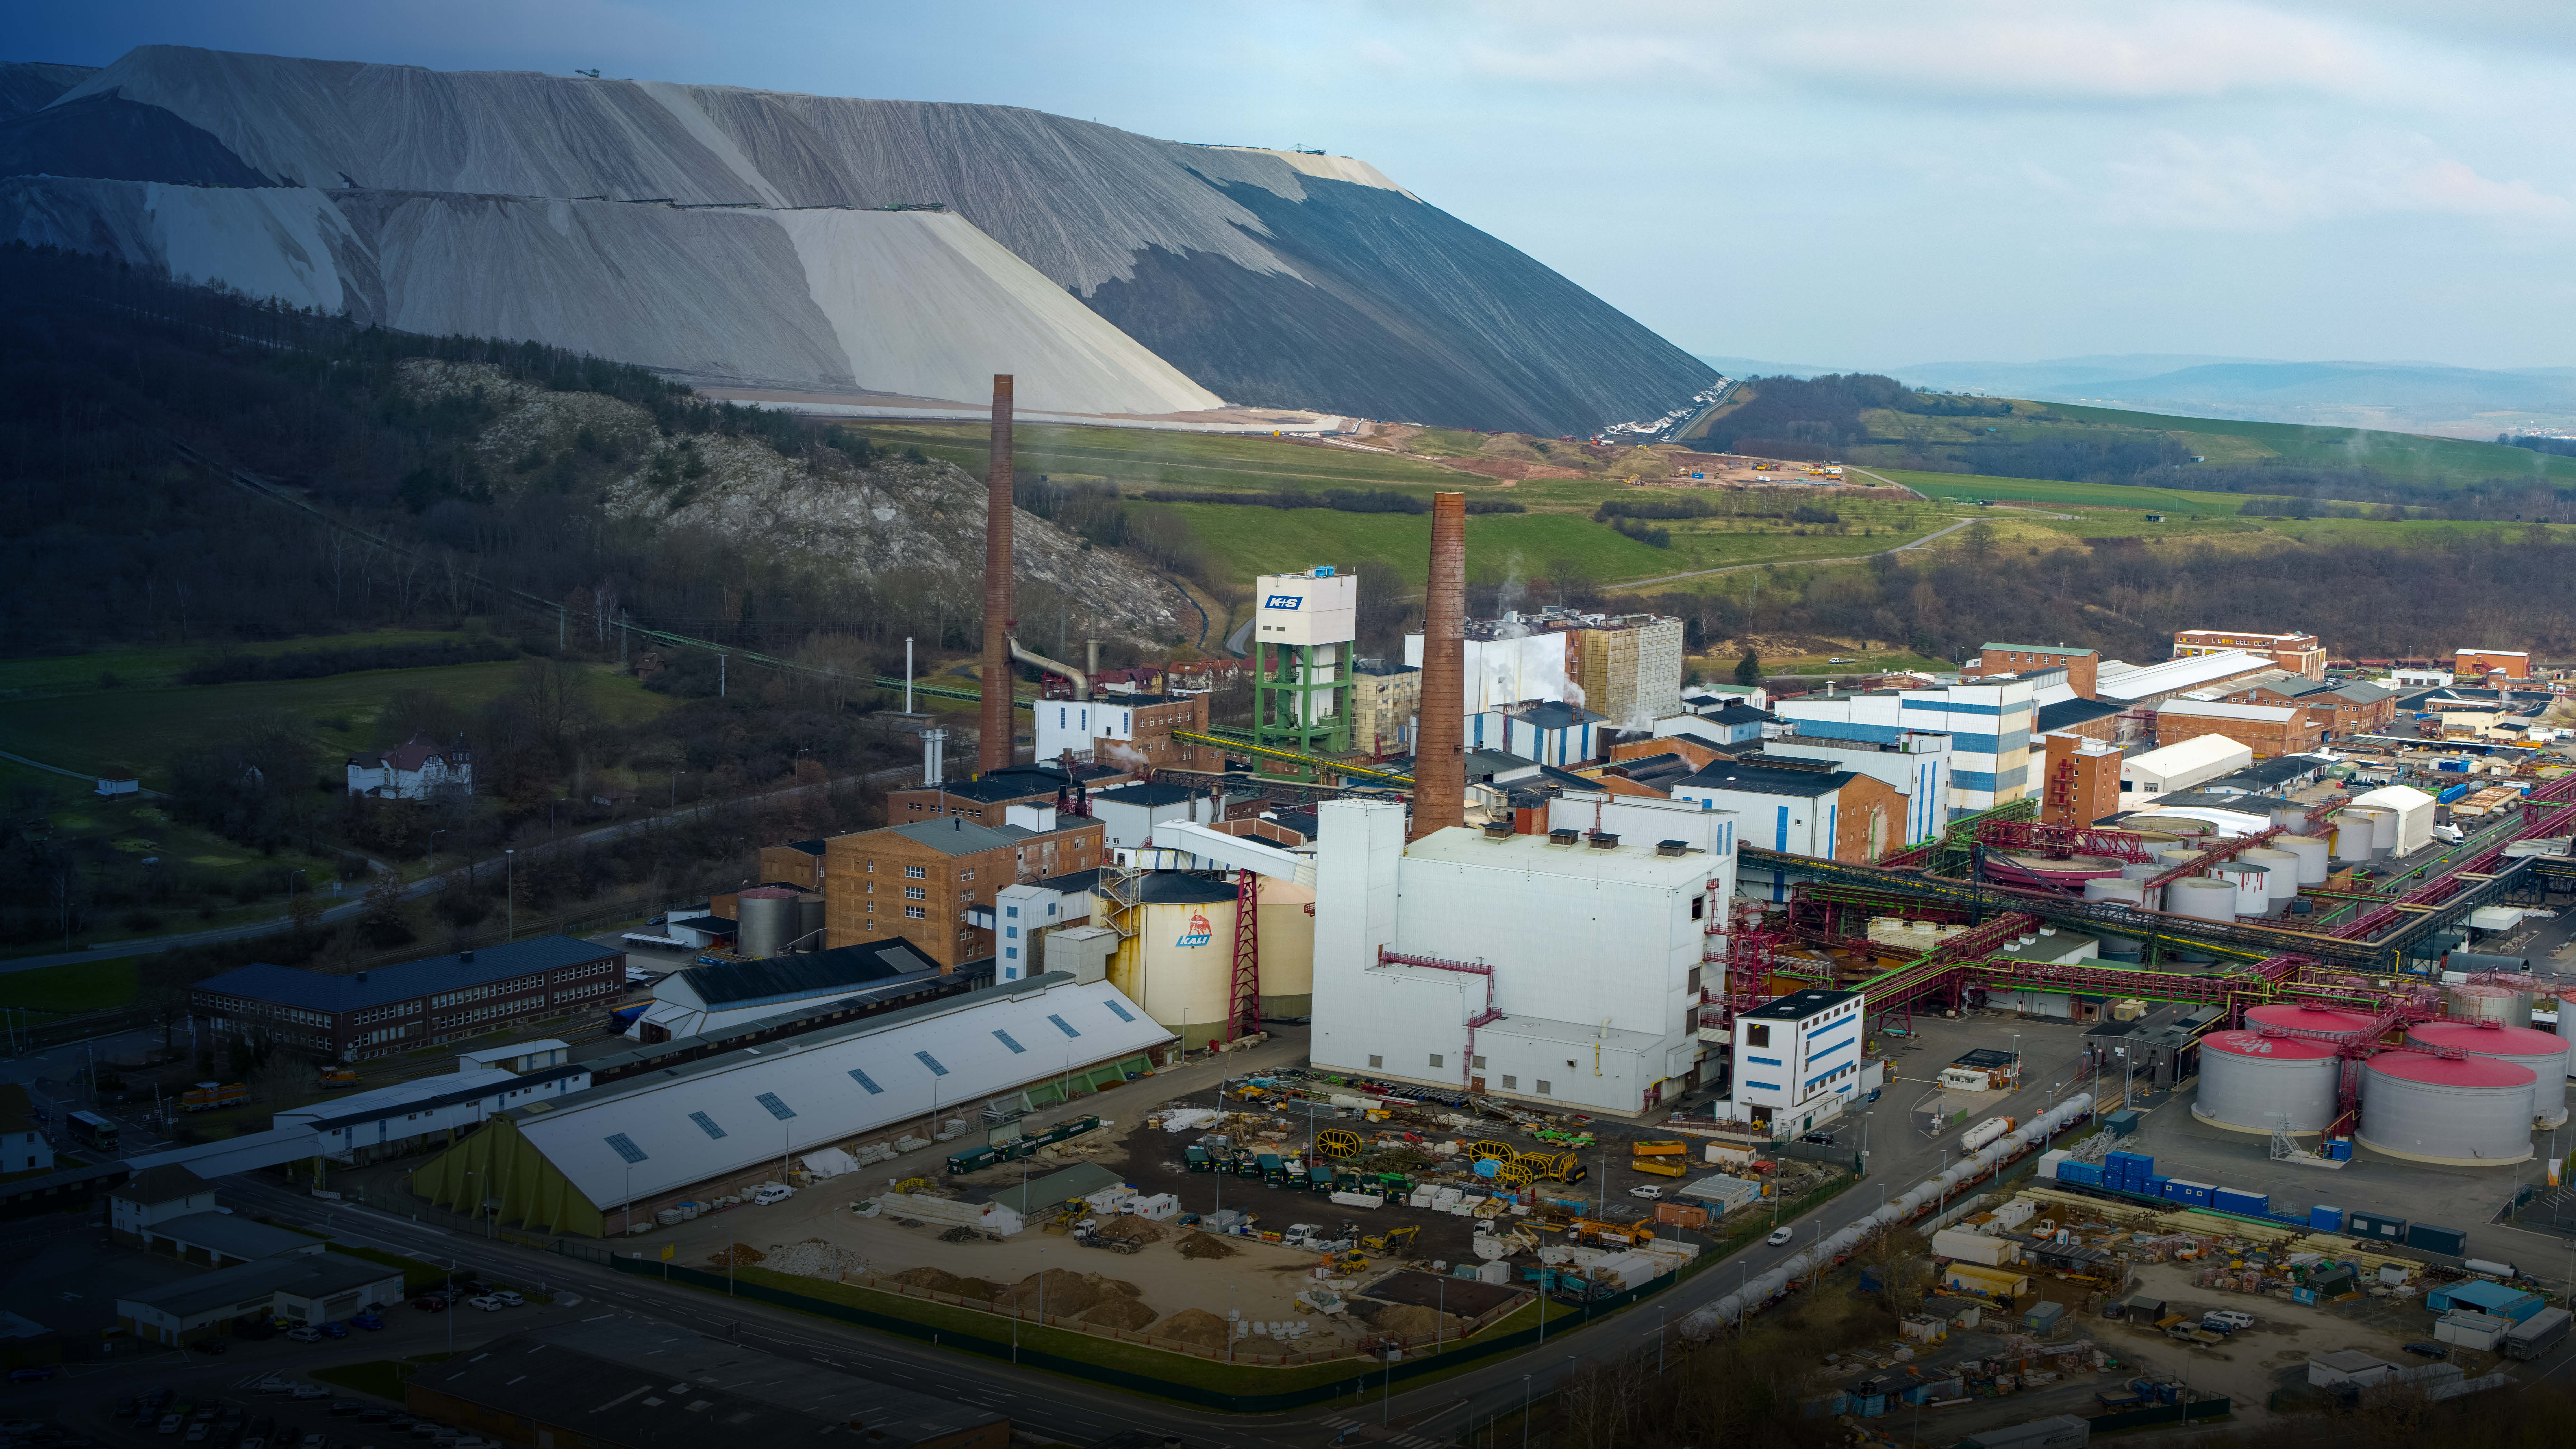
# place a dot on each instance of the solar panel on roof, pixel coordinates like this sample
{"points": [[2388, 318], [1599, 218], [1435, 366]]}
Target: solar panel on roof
{"points": [[777, 1108], [706, 1124], [1005, 1038], [864, 1080], [927, 1060], [626, 1147], [1066, 1027]]}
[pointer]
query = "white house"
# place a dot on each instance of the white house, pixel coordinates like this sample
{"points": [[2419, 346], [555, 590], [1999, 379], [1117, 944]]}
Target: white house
{"points": [[1549, 731], [1797, 1059], [1560, 969], [414, 770]]}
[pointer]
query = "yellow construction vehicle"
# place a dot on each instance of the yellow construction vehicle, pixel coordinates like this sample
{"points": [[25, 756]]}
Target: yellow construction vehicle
{"points": [[1337, 1142], [1389, 1243], [1593, 1230]]}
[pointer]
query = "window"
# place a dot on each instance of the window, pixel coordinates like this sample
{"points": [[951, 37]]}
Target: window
{"points": [[927, 1060], [1511, 1084], [1757, 1035], [777, 1108], [626, 1147], [1545, 1089], [1376, 1062], [1480, 1064], [1014, 913], [915, 913], [1437, 1059], [706, 1124], [864, 1080], [916, 893], [916, 872], [1064, 1026], [1011, 931], [872, 865], [1123, 1013], [1010, 953]]}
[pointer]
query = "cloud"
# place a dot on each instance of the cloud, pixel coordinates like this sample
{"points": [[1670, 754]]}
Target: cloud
{"points": [[2237, 184]]}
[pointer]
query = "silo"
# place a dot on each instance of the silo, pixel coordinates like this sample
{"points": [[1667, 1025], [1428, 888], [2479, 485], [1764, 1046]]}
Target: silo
{"points": [[2383, 830], [2250, 1080], [2463, 1112], [809, 921], [2281, 878], [2311, 1018], [2202, 897], [2373, 826], [1287, 948], [2500, 1004], [2312, 852], [2292, 818], [2567, 1031], [1179, 964], [765, 919], [2542, 1052], [2351, 837], [2252, 884], [2113, 889]]}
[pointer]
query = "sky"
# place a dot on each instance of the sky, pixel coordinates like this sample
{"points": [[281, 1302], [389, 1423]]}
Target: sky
{"points": [[1868, 183]]}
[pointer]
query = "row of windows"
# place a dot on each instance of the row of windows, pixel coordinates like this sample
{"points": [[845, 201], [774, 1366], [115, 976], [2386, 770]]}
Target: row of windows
{"points": [[1542, 1087]]}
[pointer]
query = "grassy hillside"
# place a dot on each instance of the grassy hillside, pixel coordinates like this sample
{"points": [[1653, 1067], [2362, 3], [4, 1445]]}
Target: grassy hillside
{"points": [[1139, 459], [2407, 456], [128, 668], [1968, 487]]}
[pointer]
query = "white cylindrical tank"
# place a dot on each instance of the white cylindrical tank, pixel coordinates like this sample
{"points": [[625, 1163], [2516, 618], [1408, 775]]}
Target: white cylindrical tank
{"points": [[2290, 817], [2281, 871], [809, 921], [765, 921], [2502, 1005], [2351, 836], [2383, 830], [2250, 1081], [2541, 1051], [1179, 965], [2124, 892], [2203, 898], [2312, 853], [2464, 1112], [2252, 883]]}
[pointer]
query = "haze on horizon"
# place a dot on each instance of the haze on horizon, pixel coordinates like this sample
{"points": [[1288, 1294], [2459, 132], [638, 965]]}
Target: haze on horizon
{"points": [[1880, 185]]}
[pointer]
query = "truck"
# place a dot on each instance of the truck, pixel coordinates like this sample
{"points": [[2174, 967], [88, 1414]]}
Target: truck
{"points": [[91, 1130], [207, 1096], [2537, 1334]]}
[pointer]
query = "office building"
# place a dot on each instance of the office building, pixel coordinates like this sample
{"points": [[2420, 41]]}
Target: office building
{"points": [[394, 1009], [2298, 653], [933, 882], [1989, 725]]}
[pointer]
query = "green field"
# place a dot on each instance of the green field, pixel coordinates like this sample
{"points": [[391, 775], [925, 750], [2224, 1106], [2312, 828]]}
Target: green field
{"points": [[144, 728], [2406, 456], [80, 673], [81, 986], [1970, 486], [1134, 458]]}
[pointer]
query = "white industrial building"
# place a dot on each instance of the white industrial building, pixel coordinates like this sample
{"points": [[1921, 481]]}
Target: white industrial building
{"points": [[1989, 726], [2181, 766], [1129, 813], [2144, 686], [1559, 969], [408, 1115], [579, 1163], [1509, 664], [1797, 1060], [718, 995], [1916, 765]]}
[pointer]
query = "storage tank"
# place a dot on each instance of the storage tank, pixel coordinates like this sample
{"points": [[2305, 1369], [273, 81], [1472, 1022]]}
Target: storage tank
{"points": [[2373, 827], [1179, 964], [2383, 830], [2251, 883], [2567, 1031], [765, 921], [2542, 1052], [2281, 878], [2202, 897], [2249, 1080], [2310, 1017], [2067, 874], [809, 921], [2351, 837], [2502, 1005], [1287, 948], [2463, 1112], [2312, 853], [2114, 889]]}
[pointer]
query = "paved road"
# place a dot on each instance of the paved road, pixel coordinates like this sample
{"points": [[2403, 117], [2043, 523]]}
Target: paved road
{"points": [[149, 945], [1795, 562]]}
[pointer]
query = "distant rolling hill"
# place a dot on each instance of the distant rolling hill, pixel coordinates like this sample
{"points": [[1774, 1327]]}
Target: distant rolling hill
{"points": [[2421, 397], [797, 241]]}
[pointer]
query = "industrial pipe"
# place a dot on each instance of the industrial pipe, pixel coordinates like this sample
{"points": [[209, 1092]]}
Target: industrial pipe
{"points": [[1081, 681]]}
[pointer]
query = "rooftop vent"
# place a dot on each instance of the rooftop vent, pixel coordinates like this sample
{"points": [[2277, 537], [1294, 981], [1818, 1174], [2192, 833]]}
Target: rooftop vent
{"points": [[1498, 830], [464, 955], [1563, 836], [1672, 847], [1604, 840]]}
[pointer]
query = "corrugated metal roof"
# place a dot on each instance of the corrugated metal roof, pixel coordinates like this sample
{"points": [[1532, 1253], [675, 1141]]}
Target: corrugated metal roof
{"points": [[811, 973], [831, 1084], [315, 991]]}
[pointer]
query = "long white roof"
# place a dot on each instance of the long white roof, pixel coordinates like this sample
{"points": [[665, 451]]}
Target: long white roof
{"points": [[703, 1119], [2167, 675]]}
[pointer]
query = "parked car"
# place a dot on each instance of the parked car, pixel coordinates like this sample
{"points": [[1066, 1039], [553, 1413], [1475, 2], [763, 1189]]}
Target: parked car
{"points": [[276, 1384], [310, 1391], [330, 1329], [317, 1440], [170, 1424], [487, 1303], [254, 1441], [346, 1406], [430, 1303], [370, 1320], [1821, 1139], [771, 1192], [1781, 1236], [198, 1431], [2232, 1318], [34, 1374], [1649, 1194], [2428, 1350], [506, 1296], [127, 1408], [305, 1334]]}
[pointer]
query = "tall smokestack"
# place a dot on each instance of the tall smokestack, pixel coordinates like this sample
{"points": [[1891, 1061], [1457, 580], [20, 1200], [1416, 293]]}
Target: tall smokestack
{"points": [[1440, 739], [994, 726]]}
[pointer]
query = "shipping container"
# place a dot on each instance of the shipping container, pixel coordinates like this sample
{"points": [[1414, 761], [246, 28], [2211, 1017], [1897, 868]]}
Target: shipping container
{"points": [[1989, 1282], [2535, 1335], [2326, 1219], [2081, 1174], [2376, 1225], [2124, 1122], [1968, 1247], [2451, 1242], [2251, 1204]]}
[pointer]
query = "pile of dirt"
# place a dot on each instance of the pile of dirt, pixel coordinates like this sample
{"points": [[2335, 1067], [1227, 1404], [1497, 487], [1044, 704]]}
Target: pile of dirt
{"points": [[740, 1255], [940, 1280], [1414, 1321], [1063, 1293], [1205, 1245], [1127, 1227], [1124, 1313], [1193, 1325]]}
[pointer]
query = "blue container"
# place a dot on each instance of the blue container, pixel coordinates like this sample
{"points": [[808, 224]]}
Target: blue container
{"points": [[2327, 1219], [2160, 1187], [2435, 1239], [2339, 1149], [1871, 1406], [2251, 1204]]}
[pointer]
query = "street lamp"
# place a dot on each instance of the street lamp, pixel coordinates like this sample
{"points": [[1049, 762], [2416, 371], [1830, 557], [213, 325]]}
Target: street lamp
{"points": [[1525, 1392]]}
